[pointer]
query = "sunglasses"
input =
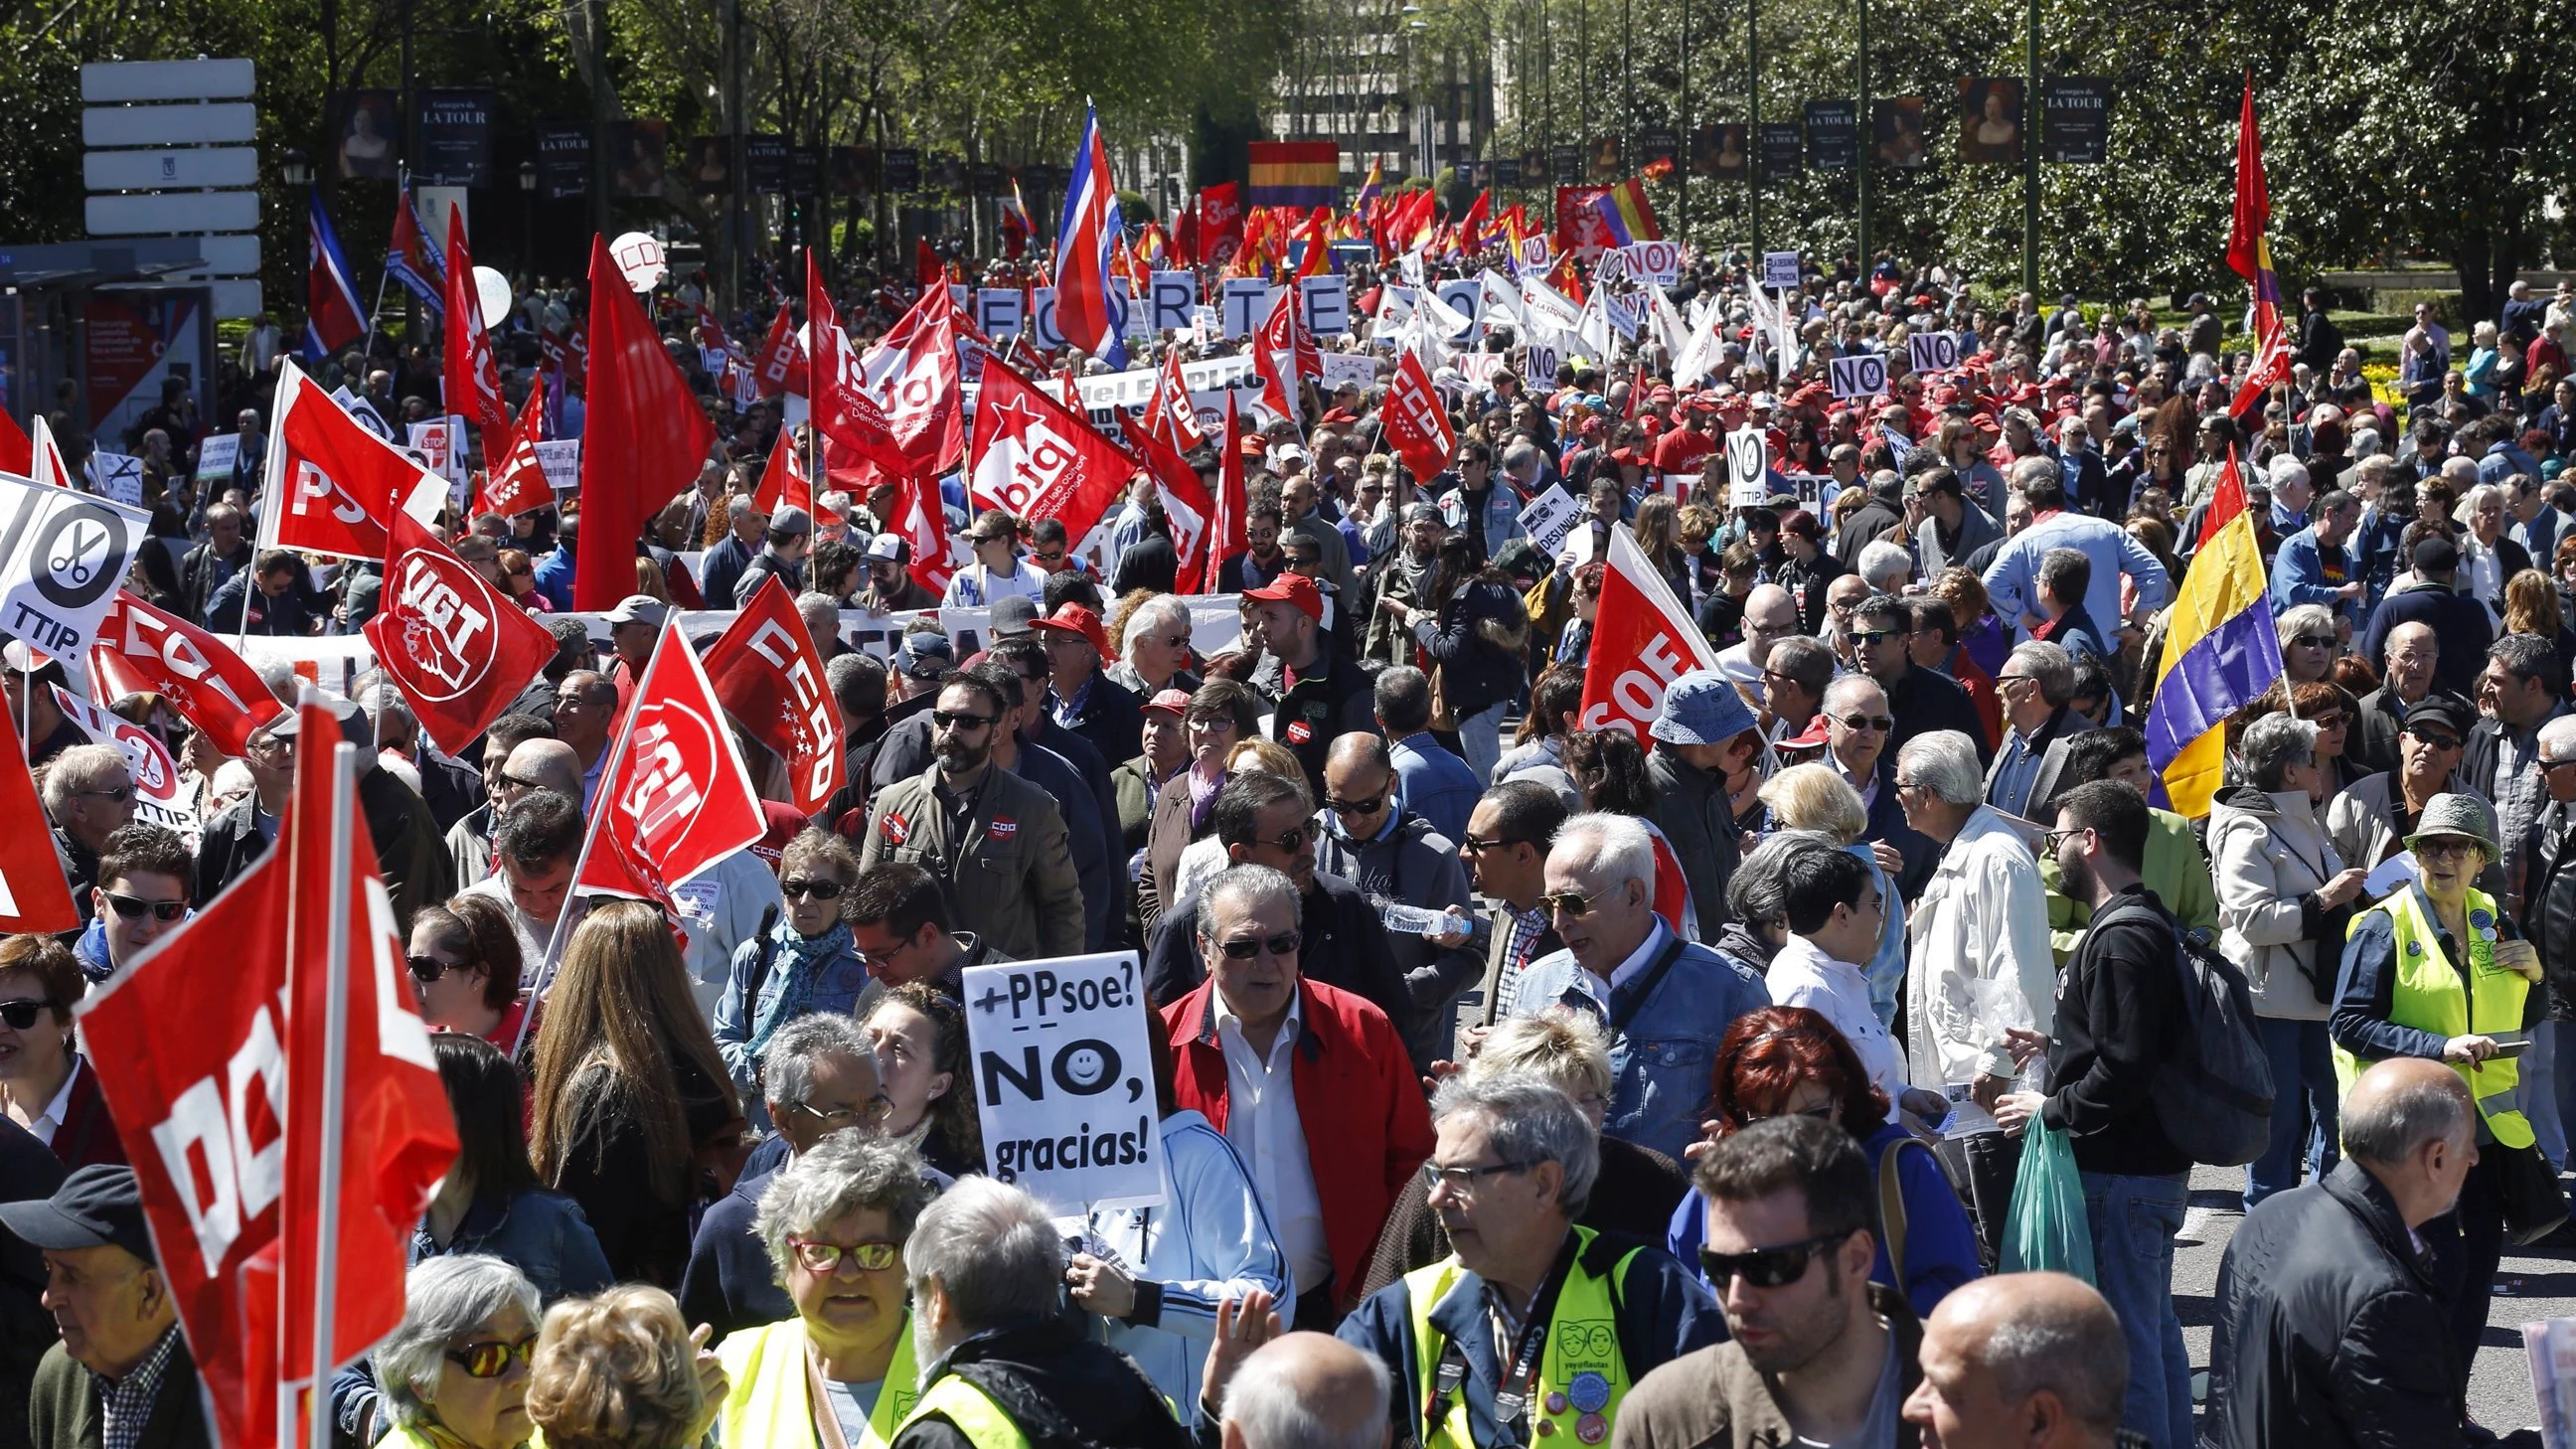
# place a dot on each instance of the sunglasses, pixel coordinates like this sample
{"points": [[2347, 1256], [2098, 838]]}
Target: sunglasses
{"points": [[426, 969], [2448, 845], [1766, 1267], [2314, 641], [132, 907], [120, 794], [1571, 904], [1283, 944], [21, 1014], [2439, 742], [520, 782], [946, 721], [874, 1256], [821, 890], [490, 1358], [1878, 722], [1294, 838], [1873, 636], [1471, 845], [1369, 806]]}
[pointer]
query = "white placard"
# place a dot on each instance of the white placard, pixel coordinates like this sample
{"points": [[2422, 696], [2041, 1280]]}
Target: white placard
{"points": [[1170, 298], [560, 460], [1244, 304], [1546, 350], [998, 311], [364, 412], [216, 456], [436, 441], [1042, 328], [1063, 1076], [1341, 367], [115, 475], [1748, 464], [1780, 270], [1549, 518], [66, 552], [1861, 375], [1477, 367], [1327, 303], [1659, 262], [1932, 351]]}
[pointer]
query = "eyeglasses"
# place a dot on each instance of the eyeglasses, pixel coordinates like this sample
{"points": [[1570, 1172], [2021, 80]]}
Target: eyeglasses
{"points": [[132, 907], [2314, 641], [1572, 904], [1463, 1179], [2050, 840], [120, 794], [1878, 722], [1873, 636], [2332, 719], [426, 969], [946, 721], [873, 1256], [1471, 845], [840, 1117], [1283, 944], [1766, 1267], [490, 1358], [2445, 846], [1369, 806], [21, 1014], [1215, 724], [821, 890]]}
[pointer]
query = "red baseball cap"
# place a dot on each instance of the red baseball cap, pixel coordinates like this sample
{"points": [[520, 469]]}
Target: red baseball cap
{"points": [[1078, 620], [1170, 701], [1292, 589]]}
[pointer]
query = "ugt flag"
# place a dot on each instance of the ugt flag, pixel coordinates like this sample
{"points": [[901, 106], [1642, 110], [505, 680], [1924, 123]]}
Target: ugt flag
{"points": [[457, 649], [676, 798], [1090, 305]]}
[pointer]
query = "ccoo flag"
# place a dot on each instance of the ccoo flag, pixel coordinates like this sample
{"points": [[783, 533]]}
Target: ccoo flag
{"points": [[2220, 650], [1090, 303]]}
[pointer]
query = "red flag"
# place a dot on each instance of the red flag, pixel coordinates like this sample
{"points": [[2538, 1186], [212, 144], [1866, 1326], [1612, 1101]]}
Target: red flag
{"points": [[1185, 235], [1283, 335], [340, 482], [855, 431], [642, 439], [34, 897], [926, 268], [1039, 458], [459, 649], [768, 675], [1220, 223], [1417, 423], [1226, 521], [519, 484], [209, 685], [911, 374], [2226, 500], [677, 799], [473, 380], [780, 367], [1186, 504], [1168, 413], [1642, 640], [17, 450], [1319, 244], [784, 484]]}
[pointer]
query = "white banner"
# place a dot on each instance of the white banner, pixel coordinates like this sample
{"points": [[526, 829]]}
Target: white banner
{"points": [[1063, 1076], [62, 555], [560, 460], [216, 456], [115, 475]]}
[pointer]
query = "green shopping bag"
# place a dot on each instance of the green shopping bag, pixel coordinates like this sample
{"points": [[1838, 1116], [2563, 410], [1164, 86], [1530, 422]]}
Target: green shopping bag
{"points": [[2045, 1231]]}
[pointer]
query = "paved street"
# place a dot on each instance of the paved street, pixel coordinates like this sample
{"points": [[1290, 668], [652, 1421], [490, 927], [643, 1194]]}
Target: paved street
{"points": [[2500, 1394]]}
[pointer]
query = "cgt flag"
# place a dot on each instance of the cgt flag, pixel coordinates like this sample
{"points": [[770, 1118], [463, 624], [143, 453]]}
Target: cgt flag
{"points": [[767, 674], [457, 649], [340, 482], [198, 674], [1417, 425], [1642, 640], [1039, 459], [675, 798]]}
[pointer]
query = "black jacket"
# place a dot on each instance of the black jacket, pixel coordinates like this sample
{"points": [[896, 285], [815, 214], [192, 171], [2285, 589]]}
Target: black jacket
{"points": [[1062, 1391], [1862, 529], [1332, 697], [1806, 583], [1112, 718], [1692, 809], [1478, 646], [2119, 1019], [29, 1170], [1345, 946], [2460, 622], [285, 615], [2549, 903], [1924, 700], [64, 1410], [2330, 1329], [197, 581]]}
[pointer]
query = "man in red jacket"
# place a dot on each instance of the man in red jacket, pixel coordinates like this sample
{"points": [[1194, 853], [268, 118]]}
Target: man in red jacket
{"points": [[1311, 1085]]}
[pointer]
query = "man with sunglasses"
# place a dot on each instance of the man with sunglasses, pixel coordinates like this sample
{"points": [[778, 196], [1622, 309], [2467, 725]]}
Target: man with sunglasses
{"points": [[121, 1351], [510, 770], [1533, 1328], [2036, 685], [1923, 701], [141, 895], [1815, 1353], [1365, 835], [1255, 1048], [88, 796], [1856, 724]]}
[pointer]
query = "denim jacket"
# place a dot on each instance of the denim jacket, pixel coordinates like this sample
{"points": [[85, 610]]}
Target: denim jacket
{"points": [[832, 983], [542, 1234], [1662, 1065]]}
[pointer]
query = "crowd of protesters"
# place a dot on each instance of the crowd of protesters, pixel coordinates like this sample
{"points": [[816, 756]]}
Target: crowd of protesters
{"points": [[1700, 1115]]}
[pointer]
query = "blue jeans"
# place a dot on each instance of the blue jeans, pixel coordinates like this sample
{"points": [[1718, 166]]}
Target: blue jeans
{"points": [[2134, 1220], [1480, 740], [2303, 1107]]}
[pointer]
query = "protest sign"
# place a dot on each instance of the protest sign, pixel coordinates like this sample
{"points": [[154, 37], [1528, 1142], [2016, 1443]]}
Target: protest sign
{"points": [[1659, 262], [1341, 367], [61, 556], [436, 440], [1327, 303], [216, 457], [1780, 270], [364, 411], [1932, 351], [1245, 301], [116, 475], [1549, 518], [560, 460], [998, 311], [1861, 375], [159, 798], [1170, 297], [1747, 461], [1063, 1075]]}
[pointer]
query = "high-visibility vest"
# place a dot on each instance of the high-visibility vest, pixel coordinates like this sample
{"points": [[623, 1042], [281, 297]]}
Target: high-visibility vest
{"points": [[985, 1424], [2431, 994], [1582, 1375], [770, 1405]]}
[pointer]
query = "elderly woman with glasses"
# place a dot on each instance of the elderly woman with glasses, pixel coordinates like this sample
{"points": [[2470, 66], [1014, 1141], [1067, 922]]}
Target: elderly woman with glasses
{"points": [[1154, 648], [834, 1222], [805, 962], [2307, 635], [455, 1372], [1786, 1061], [1221, 715]]}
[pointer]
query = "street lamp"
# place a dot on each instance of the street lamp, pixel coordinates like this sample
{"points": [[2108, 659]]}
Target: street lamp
{"points": [[295, 167], [527, 215]]}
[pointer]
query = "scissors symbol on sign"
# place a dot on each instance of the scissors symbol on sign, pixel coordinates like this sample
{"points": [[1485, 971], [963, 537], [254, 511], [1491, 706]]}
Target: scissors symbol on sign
{"points": [[71, 562]]}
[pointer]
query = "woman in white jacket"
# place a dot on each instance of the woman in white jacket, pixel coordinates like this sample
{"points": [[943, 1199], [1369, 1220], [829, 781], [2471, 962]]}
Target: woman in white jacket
{"points": [[1156, 1275], [2278, 877]]}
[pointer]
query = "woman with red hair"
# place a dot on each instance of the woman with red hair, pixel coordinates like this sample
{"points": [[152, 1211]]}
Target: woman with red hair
{"points": [[1786, 1061]]}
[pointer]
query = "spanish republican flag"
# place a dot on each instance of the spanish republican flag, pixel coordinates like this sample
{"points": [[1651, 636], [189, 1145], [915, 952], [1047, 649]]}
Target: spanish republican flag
{"points": [[1631, 220], [2220, 650]]}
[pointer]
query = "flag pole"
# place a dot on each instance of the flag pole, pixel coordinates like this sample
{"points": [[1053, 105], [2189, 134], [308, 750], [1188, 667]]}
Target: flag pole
{"points": [[335, 1068]]}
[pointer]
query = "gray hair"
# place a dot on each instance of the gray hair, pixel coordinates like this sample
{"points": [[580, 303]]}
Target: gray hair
{"points": [[2272, 746], [2079, 1355], [1272, 1406], [2302, 618], [1757, 893], [992, 1249], [739, 508], [2049, 666], [444, 1299], [1163, 611], [1608, 847], [2033, 468], [81, 768], [1945, 762], [280, 677], [1530, 1120], [787, 1063], [2558, 736], [1844, 686], [1885, 566], [1520, 455], [1259, 884], [842, 1174], [2390, 1127]]}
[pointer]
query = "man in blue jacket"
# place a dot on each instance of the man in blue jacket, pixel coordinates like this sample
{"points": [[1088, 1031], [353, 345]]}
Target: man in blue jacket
{"points": [[2315, 565]]}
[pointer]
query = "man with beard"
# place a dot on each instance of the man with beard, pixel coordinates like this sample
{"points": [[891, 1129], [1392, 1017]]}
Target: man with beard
{"points": [[1816, 1353], [1404, 577], [998, 841]]}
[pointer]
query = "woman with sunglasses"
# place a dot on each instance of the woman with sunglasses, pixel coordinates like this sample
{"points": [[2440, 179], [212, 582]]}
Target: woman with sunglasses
{"points": [[806, 961], [1155, 646], [834, 1222], [464, 960], [1222, 714], [45, 1086], [1785, 1061], [455, 1371], [919, 1033], [2308, 643], [519, 581]]}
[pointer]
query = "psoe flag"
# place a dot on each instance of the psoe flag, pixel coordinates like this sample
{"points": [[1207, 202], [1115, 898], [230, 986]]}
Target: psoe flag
{"points": [[2220, 651]]}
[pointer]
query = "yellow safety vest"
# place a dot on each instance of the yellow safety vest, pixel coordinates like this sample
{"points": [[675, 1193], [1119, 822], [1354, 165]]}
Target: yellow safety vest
{"points": [[1582, 1376], [769, 1404], [983, 1422], [2431, 995], [401, 1437]]}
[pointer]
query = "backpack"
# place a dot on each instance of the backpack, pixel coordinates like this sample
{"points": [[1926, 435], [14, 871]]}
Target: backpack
{"points": [[2214, 1099]]}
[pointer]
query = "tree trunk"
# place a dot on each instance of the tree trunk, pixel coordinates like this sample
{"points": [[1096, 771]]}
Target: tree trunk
{"points": [[2472, 256]]}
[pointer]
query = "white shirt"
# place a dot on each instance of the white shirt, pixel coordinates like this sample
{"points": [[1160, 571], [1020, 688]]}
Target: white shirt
{"points": [[1803, 975], [50, 1121], [1261, 1121], [1980, 962]]}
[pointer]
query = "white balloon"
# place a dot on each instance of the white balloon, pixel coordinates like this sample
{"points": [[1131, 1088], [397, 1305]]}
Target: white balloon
{"points": [[639, 258], [492, 293]]}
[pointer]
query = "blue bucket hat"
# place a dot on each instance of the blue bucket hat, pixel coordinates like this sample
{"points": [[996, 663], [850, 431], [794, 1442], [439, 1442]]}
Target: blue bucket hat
{"points": [[1702, 708]]}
